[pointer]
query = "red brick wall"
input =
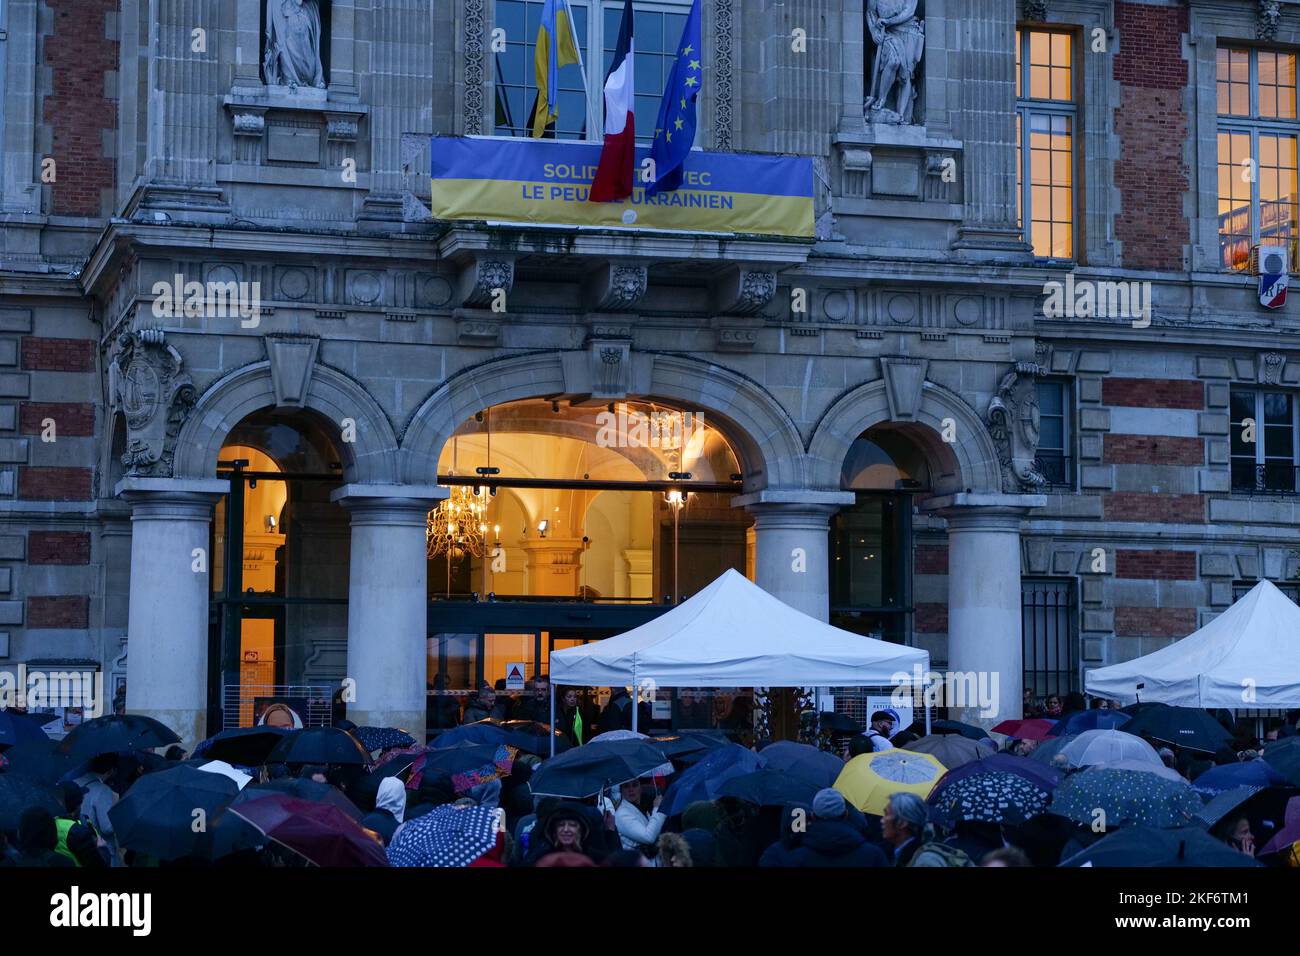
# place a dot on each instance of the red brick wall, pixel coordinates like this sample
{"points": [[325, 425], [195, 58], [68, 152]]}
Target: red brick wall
{"points": [[1156, 565], [58, 612], [1153, 392], [54, 484], [71, 419], [78, 55], [58, 547], [1154, 621], [1152, 128], [930, 559], [1151, 450], [1140, 506], [58, 355], [930, 619]]}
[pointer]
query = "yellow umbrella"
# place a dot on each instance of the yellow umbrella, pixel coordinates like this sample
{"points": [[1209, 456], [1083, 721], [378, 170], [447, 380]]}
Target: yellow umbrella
{"points": [[869, 780]]}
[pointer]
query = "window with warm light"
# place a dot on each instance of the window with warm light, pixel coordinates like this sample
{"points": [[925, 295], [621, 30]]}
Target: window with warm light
{"points": [[1045, 134], [1256, 91]]}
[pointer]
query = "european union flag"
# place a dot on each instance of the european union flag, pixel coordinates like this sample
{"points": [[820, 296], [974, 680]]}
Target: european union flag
{"points": [[675, 128]]}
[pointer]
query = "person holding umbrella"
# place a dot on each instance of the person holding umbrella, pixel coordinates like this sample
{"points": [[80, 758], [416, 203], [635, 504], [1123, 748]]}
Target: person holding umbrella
{"points": [[99, 798], [635, 829]]}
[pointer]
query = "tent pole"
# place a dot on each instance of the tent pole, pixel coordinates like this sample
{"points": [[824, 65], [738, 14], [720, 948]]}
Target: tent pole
{"points": [[636, 697], [552, 686]]}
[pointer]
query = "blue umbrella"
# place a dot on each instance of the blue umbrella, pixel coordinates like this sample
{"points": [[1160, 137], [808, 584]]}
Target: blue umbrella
{"points": [[704, 780], [1044, 776], [1145, 846], [445, 836], [1248, 773], [1077, 723], [1118, 798], [994, 796], [16, 728], [804, 761], [381, 738]]}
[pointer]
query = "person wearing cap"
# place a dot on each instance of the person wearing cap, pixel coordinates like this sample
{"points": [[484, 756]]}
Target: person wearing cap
{"points": [[883, 723], [830, 839]]}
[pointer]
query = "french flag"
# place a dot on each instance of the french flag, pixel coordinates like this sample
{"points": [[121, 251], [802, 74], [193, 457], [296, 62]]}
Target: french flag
{"points": [[615, 173]]}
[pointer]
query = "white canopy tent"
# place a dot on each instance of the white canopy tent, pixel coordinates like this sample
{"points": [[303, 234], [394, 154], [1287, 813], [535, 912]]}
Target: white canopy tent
{"points": [[1253, 646], [735, 634]]}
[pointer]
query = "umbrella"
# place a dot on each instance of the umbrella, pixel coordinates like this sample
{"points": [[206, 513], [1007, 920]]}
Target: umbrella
{"points": [[586, 771], [523, 735], [1042, 776], [240, 778], [957, 727], [687, 743], [663, 770], [227, 833], [17, 728], [993, 796], [1290, 831], [1247, 773], [116, 733], [1115, 798], [398, 762], [1223, 803], [703, 780], [1079, 721], [1145, 846], [1141, 707], [323, 745], [868, 780], [1142, 766], [1188, 727], [246, 746], [1033, 729], [836, 722], [1282, 755], [1046, 751], [302, 790], [803, 761], [770, 788], [382, 738], [322, 834], [1107, 746], [445, 836], [18, 792], [468, 765], [951, 750], [159, 814], [41, 760]]}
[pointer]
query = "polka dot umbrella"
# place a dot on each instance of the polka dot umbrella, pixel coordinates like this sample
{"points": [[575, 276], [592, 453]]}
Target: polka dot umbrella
{"points": [[1118, 798], [869, 780], [995, 796], [445, 836]]}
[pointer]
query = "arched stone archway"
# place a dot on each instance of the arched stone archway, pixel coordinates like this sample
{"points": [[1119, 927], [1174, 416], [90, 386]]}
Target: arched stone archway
{"points": [[333, 396], [764, 437], [968, 463]]}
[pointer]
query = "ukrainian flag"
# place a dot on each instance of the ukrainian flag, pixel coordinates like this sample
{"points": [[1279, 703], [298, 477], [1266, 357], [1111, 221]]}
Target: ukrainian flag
{"points": [[556, 48]]}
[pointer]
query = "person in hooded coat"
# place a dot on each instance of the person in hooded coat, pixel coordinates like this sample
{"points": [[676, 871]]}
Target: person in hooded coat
{"points": [[830, 840], [390, 809]]}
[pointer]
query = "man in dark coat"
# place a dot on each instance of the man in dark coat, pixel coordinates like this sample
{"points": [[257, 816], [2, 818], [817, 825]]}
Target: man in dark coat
{"points": [[830, 841], [617, 714]]}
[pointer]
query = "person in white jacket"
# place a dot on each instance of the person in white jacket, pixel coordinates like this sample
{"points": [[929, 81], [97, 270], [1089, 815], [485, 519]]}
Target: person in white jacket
{"points": [[635, 829]]}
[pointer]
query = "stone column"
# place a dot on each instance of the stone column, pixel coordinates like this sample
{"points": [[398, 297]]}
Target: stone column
{"points": [[167, 619], [984, 617], [791, 532], [388, 603]]}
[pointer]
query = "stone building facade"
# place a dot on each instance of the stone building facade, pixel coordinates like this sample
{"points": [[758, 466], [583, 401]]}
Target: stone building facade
{"points": [[141, 142]]}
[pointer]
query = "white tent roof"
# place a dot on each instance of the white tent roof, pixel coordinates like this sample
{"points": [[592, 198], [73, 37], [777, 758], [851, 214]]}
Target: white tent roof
{"points": [[735, 634], [1255, 644]]}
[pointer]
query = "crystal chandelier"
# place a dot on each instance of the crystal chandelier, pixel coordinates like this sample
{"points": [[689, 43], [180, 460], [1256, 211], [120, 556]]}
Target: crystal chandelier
{"points": [[457, 525]]}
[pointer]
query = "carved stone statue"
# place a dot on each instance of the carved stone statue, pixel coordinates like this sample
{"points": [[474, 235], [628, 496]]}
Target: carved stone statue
{"points": [[293, 39], [1014, 423], [900, 40], [147, 385]]}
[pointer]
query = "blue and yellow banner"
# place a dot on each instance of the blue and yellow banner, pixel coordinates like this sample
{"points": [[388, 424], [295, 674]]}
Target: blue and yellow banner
{"points": [[547, 181]]}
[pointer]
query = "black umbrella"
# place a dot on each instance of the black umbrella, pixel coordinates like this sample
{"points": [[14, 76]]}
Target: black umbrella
{"points": [[464, 757], [247, 746], [836, 722], [1187, 727], [1141, 707], [769, 788], [303, 790], [117, 733], [1224, 802], [533, 737], [994, 796], [18, 792], [40, 759], [1284, 757], [163, 813], [227, 833], [1147, 846], [586, 771], [18, 728], [382, 738], [956, 727], [323, 745]]}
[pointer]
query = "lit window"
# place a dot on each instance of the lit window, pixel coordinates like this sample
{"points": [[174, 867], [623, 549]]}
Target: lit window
{"points": [[1045, 119], [1258, 194]]}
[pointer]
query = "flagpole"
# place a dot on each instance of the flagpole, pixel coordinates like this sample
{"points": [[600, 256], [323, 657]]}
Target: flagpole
{"points": [[582, 67]]}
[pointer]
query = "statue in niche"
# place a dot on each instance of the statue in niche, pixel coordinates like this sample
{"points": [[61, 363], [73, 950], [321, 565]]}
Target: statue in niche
{"points": [[900, 40], [293, 39]]}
